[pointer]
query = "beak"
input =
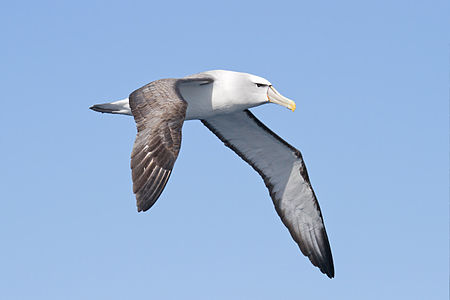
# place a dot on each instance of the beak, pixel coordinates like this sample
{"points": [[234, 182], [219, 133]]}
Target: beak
{"points": [[275, 97]]}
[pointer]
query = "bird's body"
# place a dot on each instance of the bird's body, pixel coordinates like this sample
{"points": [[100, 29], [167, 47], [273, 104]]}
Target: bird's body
{"points": [[220, 99], [207, 94]]}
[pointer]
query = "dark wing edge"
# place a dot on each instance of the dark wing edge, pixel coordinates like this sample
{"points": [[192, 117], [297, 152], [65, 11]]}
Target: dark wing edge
{"points": [[159, 111], [313, 242]]}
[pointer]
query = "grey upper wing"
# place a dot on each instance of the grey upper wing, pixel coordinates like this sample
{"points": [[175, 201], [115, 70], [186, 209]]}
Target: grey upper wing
{"points": [[159, 112], [284, 173]]}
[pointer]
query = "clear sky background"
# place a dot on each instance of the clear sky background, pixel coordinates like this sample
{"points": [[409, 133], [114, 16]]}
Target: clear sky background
{"points": [[371, 82]]}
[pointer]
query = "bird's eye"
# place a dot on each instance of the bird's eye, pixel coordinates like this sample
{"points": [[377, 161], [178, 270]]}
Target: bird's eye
{"points": [[261, 84]]}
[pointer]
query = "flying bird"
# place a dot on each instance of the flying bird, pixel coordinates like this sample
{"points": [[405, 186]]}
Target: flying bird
{"points": [[221, 100]]}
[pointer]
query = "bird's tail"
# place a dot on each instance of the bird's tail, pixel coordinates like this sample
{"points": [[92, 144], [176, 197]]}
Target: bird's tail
{"points": [[119, 107]]}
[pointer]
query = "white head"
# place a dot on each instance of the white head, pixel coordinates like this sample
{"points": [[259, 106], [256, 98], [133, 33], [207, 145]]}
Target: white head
{"points": [[243, 90]]}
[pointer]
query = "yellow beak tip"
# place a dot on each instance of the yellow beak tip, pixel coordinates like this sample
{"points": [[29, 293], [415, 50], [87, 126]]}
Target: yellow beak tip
{"points": [[293, 107]]}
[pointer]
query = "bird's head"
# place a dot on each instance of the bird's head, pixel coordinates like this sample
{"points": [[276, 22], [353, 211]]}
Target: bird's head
{"points": [[247, 89]]}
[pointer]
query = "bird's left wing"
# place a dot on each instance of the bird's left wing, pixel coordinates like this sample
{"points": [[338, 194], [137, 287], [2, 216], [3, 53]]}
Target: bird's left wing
{"points": [[159, 111], [282, 168]]}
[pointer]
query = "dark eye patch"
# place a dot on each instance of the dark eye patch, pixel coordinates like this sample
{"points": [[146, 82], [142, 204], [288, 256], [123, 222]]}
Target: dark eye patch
{"points": [[261, 84]]}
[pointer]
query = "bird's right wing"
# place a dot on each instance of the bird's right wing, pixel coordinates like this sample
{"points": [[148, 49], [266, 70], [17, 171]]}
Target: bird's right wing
{"points": [[284, 173]]}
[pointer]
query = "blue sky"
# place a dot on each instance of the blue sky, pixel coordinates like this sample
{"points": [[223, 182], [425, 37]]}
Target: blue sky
{"points": [[371, 83]]}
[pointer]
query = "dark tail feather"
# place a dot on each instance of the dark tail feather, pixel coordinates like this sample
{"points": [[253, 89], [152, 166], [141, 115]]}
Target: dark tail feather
{"points": [[119, 107]]}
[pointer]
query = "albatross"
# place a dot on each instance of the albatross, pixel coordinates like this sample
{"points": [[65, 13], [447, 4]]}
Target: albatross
{"points": [[221, 100]]}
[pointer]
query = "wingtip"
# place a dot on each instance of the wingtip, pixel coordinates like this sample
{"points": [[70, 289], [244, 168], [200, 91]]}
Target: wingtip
{"points": [[142, 207], [329, 273], [327, 266], [322, 258]]}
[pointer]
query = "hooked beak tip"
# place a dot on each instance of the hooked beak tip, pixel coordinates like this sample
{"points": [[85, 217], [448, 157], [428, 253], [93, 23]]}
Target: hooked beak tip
{"points": [[293, 106], [275, 97]]}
